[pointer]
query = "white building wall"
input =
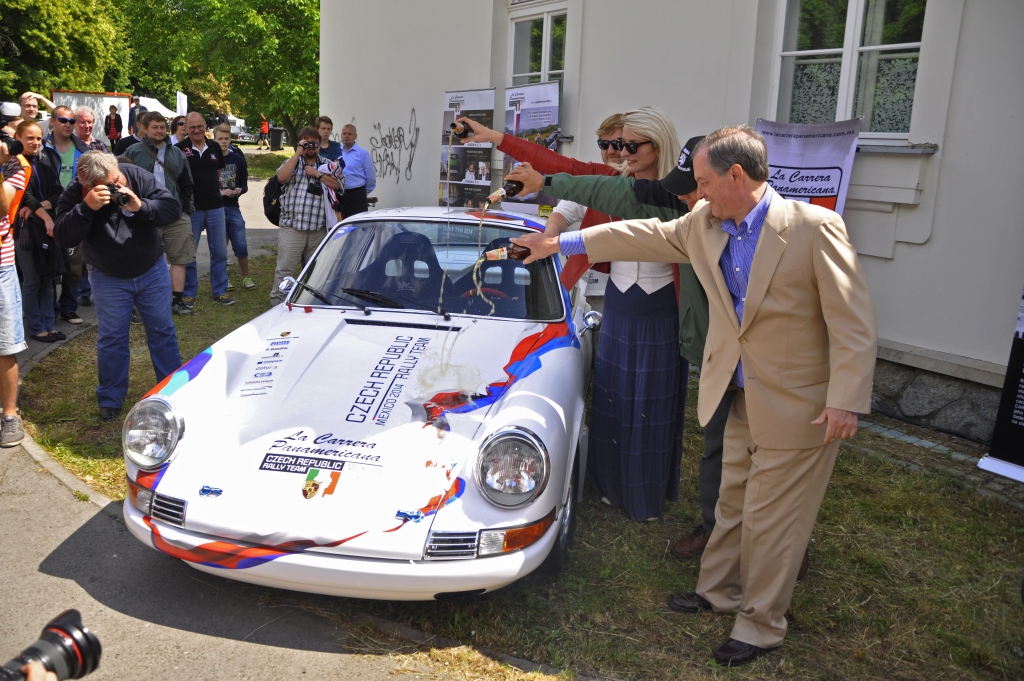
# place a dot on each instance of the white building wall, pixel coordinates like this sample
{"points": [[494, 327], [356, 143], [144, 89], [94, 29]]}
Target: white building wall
{"points": [[940, 236]]}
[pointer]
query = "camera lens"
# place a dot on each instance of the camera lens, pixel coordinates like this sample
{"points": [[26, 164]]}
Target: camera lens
{"points": [[65, 648]]}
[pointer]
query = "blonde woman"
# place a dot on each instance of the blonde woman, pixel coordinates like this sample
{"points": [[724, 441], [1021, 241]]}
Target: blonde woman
{"points": [[639, 379]]}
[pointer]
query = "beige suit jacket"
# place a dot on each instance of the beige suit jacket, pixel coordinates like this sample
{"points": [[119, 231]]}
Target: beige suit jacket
{"points": [[808, 335]]}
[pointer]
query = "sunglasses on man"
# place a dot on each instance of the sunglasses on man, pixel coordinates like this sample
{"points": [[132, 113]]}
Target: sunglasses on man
{"points": [[604, 144], [65, 121], [309, 145]]}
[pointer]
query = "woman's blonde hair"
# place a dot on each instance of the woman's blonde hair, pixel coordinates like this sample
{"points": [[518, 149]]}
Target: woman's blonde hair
{"points": [[609, 125], [651, 123]]}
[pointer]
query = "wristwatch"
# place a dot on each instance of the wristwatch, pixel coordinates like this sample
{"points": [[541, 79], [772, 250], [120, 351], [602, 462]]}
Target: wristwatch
{"points": [[320, 176]]}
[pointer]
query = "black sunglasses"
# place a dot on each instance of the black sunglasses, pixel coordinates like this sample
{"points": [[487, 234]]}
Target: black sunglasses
{"points": [[604, 144], [631, 147], [309, 145], [67, 121]]}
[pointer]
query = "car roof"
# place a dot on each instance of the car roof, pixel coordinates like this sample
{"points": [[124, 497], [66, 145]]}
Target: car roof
{"points": [[494, 218]]}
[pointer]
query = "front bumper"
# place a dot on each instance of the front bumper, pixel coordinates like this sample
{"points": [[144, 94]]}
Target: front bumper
{"points": [[355, 577]]}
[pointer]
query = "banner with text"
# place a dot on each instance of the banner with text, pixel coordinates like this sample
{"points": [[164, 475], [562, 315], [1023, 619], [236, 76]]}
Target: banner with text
{"points": [[465, 164], [531, 113], [811, 162], [1006, 455]]}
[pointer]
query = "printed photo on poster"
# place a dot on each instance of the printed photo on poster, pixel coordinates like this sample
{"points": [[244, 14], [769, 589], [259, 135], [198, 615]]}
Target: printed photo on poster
{"points": [[466, 165], [459, 195], [811, 162], [532, 114]]}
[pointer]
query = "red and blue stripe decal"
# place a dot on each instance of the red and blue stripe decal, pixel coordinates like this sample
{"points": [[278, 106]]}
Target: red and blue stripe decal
{"points": [[188, 372]]}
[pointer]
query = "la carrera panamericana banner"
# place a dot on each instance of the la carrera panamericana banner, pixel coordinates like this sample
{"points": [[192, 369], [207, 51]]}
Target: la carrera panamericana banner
{"points": [[811, 162]]}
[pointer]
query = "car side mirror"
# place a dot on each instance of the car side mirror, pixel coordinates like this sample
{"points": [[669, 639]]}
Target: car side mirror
{"points": [[287, 284], [592, 321]]}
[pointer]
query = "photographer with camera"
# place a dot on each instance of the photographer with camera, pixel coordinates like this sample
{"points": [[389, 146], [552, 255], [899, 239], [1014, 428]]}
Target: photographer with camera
{"points": [[29, 102], [306, 208], [115, 212]]}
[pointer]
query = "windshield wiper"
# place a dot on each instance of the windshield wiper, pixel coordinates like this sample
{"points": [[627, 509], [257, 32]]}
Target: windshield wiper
{"points": [[373, 297], [321, 296], [382, 299]]}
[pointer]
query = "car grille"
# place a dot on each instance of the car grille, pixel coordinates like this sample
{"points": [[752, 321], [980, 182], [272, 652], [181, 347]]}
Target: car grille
{"points": [[451, 545], [169, 510]]}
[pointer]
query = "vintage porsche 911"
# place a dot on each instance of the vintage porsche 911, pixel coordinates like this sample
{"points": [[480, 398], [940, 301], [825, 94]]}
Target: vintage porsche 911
{"points": [[407, 426]]}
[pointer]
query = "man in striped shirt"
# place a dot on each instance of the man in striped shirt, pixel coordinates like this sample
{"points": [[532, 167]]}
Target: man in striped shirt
{"points": [[12, 330]]}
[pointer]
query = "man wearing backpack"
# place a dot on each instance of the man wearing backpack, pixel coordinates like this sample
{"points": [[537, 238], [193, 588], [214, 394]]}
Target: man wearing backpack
{"points": [[171, 169], [308, 180]]}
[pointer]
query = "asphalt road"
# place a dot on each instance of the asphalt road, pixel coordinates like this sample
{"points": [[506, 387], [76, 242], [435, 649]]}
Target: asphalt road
{"points": [[155, 616]]}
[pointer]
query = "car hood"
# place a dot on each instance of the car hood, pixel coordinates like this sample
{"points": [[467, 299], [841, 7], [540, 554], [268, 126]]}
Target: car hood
{"points": [[341, 433]]}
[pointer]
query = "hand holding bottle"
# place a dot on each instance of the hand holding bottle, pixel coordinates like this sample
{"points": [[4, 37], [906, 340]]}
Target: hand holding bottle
{"points": [[532, 180]]}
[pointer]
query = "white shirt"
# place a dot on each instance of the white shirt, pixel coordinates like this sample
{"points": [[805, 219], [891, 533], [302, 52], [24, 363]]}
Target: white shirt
{"points": [[572, 212]]}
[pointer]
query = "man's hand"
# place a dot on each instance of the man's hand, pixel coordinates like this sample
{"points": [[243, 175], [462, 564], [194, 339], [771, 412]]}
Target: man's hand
{"points": [[481, 133], [540, 246], [98, 197], [48, 223], [531, 179], [134, 203], [311, 171], [227, 192], [35, 671], [24, 212], [842, 424]]}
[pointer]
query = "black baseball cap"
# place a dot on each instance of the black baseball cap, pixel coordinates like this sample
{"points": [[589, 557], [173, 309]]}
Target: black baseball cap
{"points": [[681, 181]]}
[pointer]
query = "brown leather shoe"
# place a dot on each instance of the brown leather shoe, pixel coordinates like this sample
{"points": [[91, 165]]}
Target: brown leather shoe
{"points": [[734, 653], [688, 602], [804, 564], [691, 545]]}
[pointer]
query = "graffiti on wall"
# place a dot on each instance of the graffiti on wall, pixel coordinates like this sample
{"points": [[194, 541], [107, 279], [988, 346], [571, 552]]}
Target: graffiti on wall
{"points": [[393, 149]]}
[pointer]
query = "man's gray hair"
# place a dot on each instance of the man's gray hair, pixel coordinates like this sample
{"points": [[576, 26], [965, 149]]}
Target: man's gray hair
{"points": [[86, 110], [350, 125], [95, 167], [739, 145]]}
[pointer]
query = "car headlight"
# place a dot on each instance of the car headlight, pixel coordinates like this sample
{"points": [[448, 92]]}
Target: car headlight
{"points": [[512, 467], [150, 433]]}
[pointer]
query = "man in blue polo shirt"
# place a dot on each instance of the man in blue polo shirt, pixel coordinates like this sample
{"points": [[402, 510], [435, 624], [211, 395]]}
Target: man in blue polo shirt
{"points": [[360, 175]]}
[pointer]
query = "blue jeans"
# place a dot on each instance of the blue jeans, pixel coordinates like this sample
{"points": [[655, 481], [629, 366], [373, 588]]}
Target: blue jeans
{"points": [[84, 287], [12, 332], [150, 294], [36, 295], [236, 231], [213, 222]]}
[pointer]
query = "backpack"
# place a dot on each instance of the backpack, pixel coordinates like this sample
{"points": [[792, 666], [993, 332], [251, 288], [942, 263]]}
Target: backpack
{"points": [[272, 200]]}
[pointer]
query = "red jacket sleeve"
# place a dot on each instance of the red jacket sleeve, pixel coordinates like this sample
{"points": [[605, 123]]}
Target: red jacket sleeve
{"points": [[548, 162]]}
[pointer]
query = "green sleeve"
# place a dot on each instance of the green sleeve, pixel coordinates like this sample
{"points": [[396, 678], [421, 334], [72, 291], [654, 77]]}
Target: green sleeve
{"points": [[612, 194]]}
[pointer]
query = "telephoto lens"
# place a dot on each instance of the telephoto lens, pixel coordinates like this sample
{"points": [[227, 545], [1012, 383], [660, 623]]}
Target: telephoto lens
{"points": [[116, 197], [65, 648]]}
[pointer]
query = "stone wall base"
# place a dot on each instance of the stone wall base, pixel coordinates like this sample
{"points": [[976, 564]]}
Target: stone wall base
{"points": [[925, 398]]}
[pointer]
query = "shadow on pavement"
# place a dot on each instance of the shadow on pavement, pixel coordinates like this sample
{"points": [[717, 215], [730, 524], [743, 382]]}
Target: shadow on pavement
{"points": [[105, 560]]}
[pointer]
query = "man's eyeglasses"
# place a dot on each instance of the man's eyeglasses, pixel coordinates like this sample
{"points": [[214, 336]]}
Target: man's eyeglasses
{"points": [[604, 144], [65, 121], [631, 147], [309, 145]]}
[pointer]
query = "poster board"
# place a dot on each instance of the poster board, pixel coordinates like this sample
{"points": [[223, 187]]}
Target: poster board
{"points": [[99, 102], [466, 168], [1006, 454], [532, 114], [811, 162]]}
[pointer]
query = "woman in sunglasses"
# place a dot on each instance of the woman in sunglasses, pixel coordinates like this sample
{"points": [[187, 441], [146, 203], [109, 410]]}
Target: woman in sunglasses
{"points": [[639, 379]]}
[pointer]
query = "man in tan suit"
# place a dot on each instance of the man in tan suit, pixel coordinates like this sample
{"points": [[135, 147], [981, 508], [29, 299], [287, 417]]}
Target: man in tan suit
{"points": [[793, 333]]}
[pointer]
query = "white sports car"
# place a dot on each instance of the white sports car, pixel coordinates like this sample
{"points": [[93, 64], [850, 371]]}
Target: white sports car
{"points": [[408, 426]]}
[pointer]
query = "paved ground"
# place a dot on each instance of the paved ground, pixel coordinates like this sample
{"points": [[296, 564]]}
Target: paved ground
{"points": [[156, 617]]}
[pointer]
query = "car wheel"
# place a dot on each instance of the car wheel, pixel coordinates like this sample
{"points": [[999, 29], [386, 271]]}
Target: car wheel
{"points": [[559, 556]]}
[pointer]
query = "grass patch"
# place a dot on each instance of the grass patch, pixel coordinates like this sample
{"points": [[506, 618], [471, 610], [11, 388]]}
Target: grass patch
{"points": [[58, 396], [262, 166], [913, 576]]}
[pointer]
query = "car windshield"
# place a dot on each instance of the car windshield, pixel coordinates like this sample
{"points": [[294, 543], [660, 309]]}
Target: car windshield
{"points": [[430, 266]]}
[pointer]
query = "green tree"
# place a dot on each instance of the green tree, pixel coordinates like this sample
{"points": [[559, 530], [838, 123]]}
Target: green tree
{"points": [[53, 45]]}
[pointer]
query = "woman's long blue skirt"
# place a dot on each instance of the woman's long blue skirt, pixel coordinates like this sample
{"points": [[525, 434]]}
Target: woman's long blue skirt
{"points": [[638, 401]]}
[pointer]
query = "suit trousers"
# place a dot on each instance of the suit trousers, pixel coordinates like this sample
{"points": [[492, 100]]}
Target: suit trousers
{"points": [[767, 506], [711, 463]]}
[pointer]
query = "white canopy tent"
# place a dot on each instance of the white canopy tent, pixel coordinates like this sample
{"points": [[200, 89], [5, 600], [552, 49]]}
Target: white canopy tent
{"points": [[153, 104]]}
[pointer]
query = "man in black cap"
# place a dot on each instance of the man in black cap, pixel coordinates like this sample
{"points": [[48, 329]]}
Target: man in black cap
{"points": [[667, 199]]}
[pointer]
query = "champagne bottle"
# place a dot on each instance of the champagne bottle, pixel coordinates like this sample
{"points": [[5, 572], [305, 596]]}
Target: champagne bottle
{"points": [[461, 130], [508, 190], [510, 252]]}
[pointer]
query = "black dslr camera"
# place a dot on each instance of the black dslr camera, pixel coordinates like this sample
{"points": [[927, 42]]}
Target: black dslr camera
{"points": [[7, 112], [116, 197], [65, 648]]}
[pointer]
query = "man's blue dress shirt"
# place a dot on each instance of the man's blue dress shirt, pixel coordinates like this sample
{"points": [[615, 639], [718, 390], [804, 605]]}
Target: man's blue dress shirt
{"points": [[359, 170]]}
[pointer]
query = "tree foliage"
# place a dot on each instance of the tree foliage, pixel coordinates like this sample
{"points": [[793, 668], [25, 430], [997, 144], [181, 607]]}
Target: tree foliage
{"points": [[61, 45]]}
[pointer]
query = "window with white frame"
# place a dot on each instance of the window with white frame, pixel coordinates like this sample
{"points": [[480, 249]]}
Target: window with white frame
{"points": [[843, 59], [538, 47]]}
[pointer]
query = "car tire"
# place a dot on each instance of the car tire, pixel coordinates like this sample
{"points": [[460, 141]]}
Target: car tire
{"points": [[559, 556]]}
